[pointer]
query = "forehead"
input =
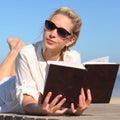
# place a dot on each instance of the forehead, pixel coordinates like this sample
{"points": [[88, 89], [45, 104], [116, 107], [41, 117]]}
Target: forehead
{"points": [[62, 21]]}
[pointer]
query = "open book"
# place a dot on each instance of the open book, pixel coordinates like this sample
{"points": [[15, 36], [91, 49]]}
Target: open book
{"points": [[68, 78]]}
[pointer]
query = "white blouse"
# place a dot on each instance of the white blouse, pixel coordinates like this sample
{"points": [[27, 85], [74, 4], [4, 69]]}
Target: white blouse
{"points": [[31, 70]]}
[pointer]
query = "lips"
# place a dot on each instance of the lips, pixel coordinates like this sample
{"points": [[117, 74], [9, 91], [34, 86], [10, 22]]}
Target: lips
{"points": [[49, 41]]}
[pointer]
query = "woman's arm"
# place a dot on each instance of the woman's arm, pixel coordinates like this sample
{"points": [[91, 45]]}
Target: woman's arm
{"points": [[29, 104]]}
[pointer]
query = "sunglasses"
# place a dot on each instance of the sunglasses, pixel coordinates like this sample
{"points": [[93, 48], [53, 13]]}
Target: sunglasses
{"points": [[60, 31]]}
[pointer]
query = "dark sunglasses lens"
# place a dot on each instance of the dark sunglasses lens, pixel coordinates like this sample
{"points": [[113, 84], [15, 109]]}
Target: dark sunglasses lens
{"points": [[62, 32], [49, 25]]}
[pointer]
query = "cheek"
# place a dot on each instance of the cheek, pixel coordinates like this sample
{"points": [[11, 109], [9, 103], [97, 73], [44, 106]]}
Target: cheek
{"points": [[61, 44], [44, 33]]}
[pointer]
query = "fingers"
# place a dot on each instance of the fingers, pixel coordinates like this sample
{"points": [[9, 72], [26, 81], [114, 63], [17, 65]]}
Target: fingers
{"points": [[19, 45], [73, 108], [12, 42], [47, 98], [89, 97], [82, 99], [59, 104], [83, 94], [60, 112], [15, 43], [53, 107], [55, 100], [83, 102]]}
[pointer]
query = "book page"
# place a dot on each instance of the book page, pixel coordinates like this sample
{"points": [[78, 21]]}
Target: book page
{"points": [[103, 60], [67, 64]]}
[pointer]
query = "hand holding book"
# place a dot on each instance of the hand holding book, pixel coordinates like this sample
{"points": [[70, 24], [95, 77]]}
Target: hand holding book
{"points": [[56, 104]]}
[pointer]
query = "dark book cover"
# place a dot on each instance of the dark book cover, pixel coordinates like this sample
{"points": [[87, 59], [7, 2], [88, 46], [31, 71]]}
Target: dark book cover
{"points": [[100, 79], [68, 81]]}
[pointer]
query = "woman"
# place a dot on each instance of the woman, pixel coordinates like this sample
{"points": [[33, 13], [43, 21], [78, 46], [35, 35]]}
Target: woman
{"points": [[8, 102], [61, 32]]}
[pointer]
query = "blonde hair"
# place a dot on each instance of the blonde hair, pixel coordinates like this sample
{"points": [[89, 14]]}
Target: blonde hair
{"points": [[77, 23]]}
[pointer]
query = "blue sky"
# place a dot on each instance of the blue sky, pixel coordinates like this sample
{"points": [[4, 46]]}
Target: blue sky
{"points": [[100, 33]]}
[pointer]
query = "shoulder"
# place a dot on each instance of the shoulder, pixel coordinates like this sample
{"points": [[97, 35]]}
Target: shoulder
{"points": [[72, 56], [30, 50]]}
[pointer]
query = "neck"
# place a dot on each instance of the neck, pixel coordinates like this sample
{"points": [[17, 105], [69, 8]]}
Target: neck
{"points": [[50, 55]]}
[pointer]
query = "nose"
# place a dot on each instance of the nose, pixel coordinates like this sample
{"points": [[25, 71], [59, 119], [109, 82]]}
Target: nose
{"points": [[53, 33]]}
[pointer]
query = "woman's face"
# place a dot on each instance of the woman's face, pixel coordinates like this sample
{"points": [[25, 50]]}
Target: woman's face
{"points": [[52, 38]]}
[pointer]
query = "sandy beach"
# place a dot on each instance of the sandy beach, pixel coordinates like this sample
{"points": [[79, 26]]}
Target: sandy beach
{"points": [[115, 100], [95, 112]]}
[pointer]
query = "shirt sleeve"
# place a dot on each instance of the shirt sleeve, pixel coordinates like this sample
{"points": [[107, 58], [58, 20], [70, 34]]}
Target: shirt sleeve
{"points": [[72, 56], [25, 84]]}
